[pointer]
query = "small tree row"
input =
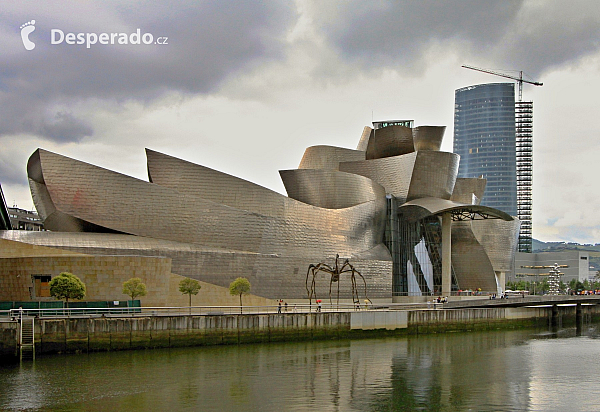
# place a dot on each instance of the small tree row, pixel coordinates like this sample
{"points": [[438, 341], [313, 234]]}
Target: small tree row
{"points": [[68, 286]]}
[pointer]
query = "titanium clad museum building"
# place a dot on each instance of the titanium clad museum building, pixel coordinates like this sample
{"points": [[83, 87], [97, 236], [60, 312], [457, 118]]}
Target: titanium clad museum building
{"points": [[393, 206]]}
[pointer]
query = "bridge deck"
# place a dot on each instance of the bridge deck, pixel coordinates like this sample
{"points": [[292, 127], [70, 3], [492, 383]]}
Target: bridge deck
{"points": [[524, 301]]}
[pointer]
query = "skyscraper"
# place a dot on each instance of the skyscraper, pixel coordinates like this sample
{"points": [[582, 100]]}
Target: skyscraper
{"points": [[484, 137]]}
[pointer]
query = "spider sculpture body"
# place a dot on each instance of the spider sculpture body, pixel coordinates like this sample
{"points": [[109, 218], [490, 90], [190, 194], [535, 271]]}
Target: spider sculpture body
{"points": [[335, 271]]}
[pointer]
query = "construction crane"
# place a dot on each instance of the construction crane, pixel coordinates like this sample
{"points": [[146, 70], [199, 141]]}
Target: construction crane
{"points": [[524, 157], [519, 79]]}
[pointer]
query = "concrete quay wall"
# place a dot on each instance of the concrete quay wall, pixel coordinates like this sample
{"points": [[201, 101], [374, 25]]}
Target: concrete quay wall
{"points": [[68, 335]]}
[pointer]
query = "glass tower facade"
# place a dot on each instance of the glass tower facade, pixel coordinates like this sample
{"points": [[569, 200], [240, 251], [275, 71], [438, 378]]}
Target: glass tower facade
{"points": [[484, 137]]}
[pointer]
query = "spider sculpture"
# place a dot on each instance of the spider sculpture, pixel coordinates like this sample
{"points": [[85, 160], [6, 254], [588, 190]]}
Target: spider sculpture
{"points": [[336, 271]]}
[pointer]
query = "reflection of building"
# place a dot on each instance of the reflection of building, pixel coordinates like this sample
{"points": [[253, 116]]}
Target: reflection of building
{"points": [[22, 219], [578, 261], [484, 137], [397, 192]]}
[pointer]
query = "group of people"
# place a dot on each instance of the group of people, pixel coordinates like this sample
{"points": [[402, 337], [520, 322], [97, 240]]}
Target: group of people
{"points": [[285, 306], [441, 299], [504, 295]]}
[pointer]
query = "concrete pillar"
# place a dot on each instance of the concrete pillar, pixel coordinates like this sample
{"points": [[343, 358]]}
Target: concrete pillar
{"points": [[446, 254], [554, 316], [578, 319]]}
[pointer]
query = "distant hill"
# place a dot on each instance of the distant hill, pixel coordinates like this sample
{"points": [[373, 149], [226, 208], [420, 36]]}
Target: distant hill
{"points": [[594, 250], [539, 246]]}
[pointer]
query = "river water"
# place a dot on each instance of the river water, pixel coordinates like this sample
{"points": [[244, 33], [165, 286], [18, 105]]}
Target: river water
{"points": [[479, 371]]}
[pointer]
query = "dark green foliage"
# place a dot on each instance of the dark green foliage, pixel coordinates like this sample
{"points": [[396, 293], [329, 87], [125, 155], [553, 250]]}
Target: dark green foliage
{"points": [[67, 286]]}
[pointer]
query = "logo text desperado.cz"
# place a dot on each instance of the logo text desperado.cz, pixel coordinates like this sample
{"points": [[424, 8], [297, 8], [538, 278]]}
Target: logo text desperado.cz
{"points": [[57, 36]]}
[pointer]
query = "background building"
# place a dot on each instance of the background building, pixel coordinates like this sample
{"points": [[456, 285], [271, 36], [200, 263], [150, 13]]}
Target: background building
{"points": [[484, 137], [22, 219], [579, 263]]}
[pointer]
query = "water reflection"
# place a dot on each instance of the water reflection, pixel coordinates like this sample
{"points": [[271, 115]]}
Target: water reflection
{"points": [[523, 370]]}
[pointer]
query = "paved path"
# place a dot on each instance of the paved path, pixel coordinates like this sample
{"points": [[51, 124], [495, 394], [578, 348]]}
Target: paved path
{"points": [[526, 301]]}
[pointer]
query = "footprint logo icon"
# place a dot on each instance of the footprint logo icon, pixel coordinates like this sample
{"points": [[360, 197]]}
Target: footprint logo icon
{"points": [[26, 30]]}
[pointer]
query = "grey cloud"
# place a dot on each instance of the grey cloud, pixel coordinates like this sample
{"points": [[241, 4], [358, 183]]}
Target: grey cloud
{"points": [[12, 170], [65, 127], [209, 42], [397, 34], [530, 36], [551, 34]]}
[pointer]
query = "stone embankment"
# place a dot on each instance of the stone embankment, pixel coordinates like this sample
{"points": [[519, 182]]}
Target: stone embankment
{"points": [[89, 334]]}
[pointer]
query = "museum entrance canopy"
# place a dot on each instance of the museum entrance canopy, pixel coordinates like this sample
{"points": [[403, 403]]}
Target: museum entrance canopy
{"points": [[421, 208]]}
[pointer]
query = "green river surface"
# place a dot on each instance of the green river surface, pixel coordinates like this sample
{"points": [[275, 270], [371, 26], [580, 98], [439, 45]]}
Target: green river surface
{"points": [[535, 370]]}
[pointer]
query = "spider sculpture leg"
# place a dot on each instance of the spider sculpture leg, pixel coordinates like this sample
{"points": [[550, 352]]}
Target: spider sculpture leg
{"points": [[312, 270], [365, 282], [310, 291]]}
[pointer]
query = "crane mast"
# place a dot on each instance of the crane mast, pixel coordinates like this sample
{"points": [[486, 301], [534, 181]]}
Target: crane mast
{"points": [[524, 157]]}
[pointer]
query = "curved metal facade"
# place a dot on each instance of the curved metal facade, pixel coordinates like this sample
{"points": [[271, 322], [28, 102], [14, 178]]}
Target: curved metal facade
{"points": [[330, 189], [390, 141], [428, 137], [328, 157], [472, 266], [376, 206], [468, 190], [204, 183], [498, 238], [411, 176]]}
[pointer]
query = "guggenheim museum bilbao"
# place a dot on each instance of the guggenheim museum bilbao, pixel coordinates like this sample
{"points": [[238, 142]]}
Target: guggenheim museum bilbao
{"points": [[393, 206]]}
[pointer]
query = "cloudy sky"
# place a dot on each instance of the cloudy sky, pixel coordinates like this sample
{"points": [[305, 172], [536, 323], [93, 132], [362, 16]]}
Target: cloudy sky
{"points": [[245, 86]]}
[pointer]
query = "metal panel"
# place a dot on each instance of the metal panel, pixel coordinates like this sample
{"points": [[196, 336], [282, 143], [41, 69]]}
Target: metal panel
{"points": [[499, 239], [364, 139], [468, 190], [428, 137], [390, 141], [204, 183], [328, 157], [471, 264], [330, 189], [393, 173], [434, 175], [411, 176]]}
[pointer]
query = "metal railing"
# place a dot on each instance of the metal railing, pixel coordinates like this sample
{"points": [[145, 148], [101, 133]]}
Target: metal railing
{"points": [[15, 314]]}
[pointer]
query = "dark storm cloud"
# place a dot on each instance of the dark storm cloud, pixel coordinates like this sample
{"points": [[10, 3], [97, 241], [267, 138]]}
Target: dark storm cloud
{"points": [[397, 34], [530, 36], [208, 42]]}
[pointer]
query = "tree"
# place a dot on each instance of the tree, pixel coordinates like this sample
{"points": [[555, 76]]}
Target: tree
{"points": [[134, 287], [67, 286], [573, 284], [240, 286], [189, 286]]}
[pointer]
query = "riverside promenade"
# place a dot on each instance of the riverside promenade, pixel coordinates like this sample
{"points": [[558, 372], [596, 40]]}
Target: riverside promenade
{"points": [[85, 330]]}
